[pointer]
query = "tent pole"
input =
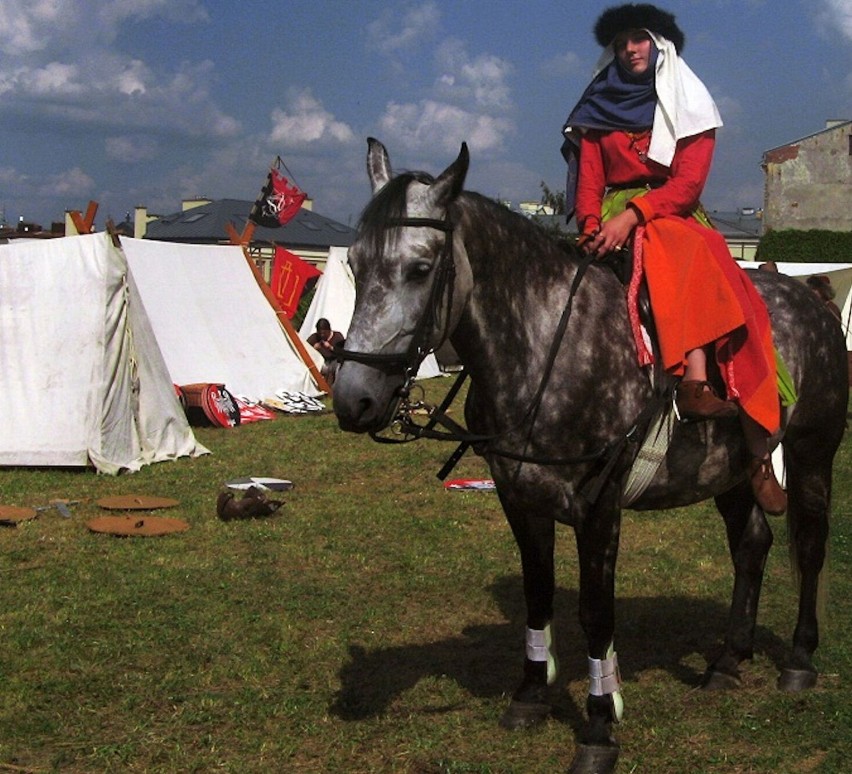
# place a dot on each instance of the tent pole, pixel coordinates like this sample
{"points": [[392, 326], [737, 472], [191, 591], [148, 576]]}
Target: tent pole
{"points": [[243, 240], [84, 224]]}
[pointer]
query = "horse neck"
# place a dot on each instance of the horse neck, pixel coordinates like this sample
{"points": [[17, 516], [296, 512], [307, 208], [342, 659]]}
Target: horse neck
{"points": [[516, 269]]}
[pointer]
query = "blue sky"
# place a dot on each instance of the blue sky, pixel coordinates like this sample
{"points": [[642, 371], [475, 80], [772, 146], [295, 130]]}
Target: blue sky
{"points": [[130, 102]]}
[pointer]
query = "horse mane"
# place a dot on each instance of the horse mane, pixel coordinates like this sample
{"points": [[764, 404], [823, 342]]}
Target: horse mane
{"points": [[505, 226]]}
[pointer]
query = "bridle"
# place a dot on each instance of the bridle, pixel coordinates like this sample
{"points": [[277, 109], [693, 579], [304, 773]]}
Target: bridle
{"points": [[443, 284]]}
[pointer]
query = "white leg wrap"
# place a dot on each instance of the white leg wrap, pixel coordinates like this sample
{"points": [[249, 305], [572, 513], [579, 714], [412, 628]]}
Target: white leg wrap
{"points": [[540, 648], [605, 680]]}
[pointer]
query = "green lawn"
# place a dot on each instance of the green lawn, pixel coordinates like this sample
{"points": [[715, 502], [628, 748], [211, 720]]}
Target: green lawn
{"points": [[375, 624]]}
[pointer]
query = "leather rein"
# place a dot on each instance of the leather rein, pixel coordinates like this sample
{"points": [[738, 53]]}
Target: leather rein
{"points": [[408, 362]]}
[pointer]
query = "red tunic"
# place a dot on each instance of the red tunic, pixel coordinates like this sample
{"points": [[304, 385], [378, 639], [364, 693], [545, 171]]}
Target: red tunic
{"points": [[699, 294]]}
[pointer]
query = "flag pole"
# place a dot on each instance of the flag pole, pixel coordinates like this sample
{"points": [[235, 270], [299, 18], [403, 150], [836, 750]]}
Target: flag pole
{"points": [[243, 240]]}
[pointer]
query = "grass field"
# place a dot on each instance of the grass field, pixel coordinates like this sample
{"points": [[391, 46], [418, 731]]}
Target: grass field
{"points": [[375, 624]]}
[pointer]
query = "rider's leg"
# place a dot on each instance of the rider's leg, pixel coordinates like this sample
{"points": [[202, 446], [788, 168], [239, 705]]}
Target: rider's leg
{"points": [[696, 399], [767, 491]]}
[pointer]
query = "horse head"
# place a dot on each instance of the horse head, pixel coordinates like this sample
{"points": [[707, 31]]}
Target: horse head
{"points": [[412, 281]]}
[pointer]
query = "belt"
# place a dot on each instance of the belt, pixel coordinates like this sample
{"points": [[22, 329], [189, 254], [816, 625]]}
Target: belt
{"points": [[649, 184]]}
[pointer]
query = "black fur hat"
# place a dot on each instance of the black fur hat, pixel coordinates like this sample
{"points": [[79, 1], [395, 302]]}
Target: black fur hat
{"points": [[634, 16]]}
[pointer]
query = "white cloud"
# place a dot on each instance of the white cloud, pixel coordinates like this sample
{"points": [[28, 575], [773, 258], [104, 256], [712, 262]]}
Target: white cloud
{"points": [[470, 101], [113, 13], [307, 122], [27, 25], [61, 66], [431, 124], [393, 33], [480, 80], [106, 90], [131, 149], [564, 65], [72, 183], [836, 15], [30, 26]]}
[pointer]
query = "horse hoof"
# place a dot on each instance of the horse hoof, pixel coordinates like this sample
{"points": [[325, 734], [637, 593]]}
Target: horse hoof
{"points": [[524, 714], [795, 680], [594, 759], [720, 681]]}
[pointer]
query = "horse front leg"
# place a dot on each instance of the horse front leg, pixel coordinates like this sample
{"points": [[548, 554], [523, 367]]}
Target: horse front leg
{"points": [[749, 541], [597, 546], [535, 536]]}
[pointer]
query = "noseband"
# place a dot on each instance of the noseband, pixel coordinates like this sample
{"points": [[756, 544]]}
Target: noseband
{"points": [[406, 363]]}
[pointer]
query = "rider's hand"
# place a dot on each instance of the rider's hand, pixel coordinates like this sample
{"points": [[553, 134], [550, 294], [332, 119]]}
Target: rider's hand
{"points": [[612, 235]]}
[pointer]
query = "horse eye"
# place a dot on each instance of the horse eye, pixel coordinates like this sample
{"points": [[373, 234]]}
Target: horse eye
{"points": [[419, 270]]}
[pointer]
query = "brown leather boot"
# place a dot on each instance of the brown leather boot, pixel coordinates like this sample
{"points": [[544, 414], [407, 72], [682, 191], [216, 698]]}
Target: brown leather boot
{"points": [[768, 493], [698, 400]]}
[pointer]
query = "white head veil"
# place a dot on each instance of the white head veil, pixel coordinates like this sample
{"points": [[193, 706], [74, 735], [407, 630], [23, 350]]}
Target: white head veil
{"points": [[684, 105]]}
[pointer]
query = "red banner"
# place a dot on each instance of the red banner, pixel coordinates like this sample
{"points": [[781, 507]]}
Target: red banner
{"points": [[278, 203], [289, 275]]}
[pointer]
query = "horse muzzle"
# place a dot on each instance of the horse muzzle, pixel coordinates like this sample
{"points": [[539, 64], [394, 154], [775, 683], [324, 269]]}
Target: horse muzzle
{"points": [[365, 399]]}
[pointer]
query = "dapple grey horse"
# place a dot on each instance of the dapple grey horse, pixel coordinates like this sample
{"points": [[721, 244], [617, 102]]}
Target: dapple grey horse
{"points": [[433, 261]]}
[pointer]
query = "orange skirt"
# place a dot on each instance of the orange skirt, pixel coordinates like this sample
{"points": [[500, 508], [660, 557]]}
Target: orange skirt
{"points": [[700, 296]]}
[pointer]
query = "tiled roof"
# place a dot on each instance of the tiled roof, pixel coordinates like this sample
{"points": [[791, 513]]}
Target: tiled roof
{"points": [[831, 128], [207, 223], [741, 224]]}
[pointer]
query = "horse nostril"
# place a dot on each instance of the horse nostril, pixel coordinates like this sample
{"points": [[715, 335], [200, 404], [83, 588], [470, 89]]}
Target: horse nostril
{"points": [[365, 405]]}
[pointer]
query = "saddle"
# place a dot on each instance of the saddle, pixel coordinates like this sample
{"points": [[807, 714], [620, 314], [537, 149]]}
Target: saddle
{"points": [[653, 439]]}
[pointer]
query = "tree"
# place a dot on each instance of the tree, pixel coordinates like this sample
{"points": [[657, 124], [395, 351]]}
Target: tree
{"points": [[553, 199]]}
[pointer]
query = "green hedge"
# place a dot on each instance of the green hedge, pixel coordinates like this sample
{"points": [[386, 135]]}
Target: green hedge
{"points": [[806, 246]]}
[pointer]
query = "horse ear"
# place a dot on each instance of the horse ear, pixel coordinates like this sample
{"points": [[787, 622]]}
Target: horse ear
{"points": [[451, 181], [378, 164]]}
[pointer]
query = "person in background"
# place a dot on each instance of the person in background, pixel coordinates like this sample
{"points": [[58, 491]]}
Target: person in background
{"points": [[324, 340], [820, 284], [639, 146]]}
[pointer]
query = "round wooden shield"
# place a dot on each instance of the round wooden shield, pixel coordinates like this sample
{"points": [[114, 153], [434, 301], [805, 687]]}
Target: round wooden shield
{"points": [[133, 502], [10, 515], [138, 526]]}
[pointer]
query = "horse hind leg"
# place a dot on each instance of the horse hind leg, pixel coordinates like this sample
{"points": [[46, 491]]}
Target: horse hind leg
{"points": [[809, 495], [749, 541]]}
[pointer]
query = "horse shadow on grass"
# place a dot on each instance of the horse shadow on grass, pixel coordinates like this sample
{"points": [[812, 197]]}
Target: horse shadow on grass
{"points": [[660, 633]]}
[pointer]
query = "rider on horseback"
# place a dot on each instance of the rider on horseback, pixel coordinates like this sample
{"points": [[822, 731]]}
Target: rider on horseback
{"points": [[639, 146]]}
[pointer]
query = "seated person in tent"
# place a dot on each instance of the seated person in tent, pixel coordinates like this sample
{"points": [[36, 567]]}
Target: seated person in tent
{"points": [[324, 340]]}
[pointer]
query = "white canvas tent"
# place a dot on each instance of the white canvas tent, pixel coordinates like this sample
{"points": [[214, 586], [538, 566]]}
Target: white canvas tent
{"points": [[840, 275], [212, 321], [334, 299], [82, 378]]}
